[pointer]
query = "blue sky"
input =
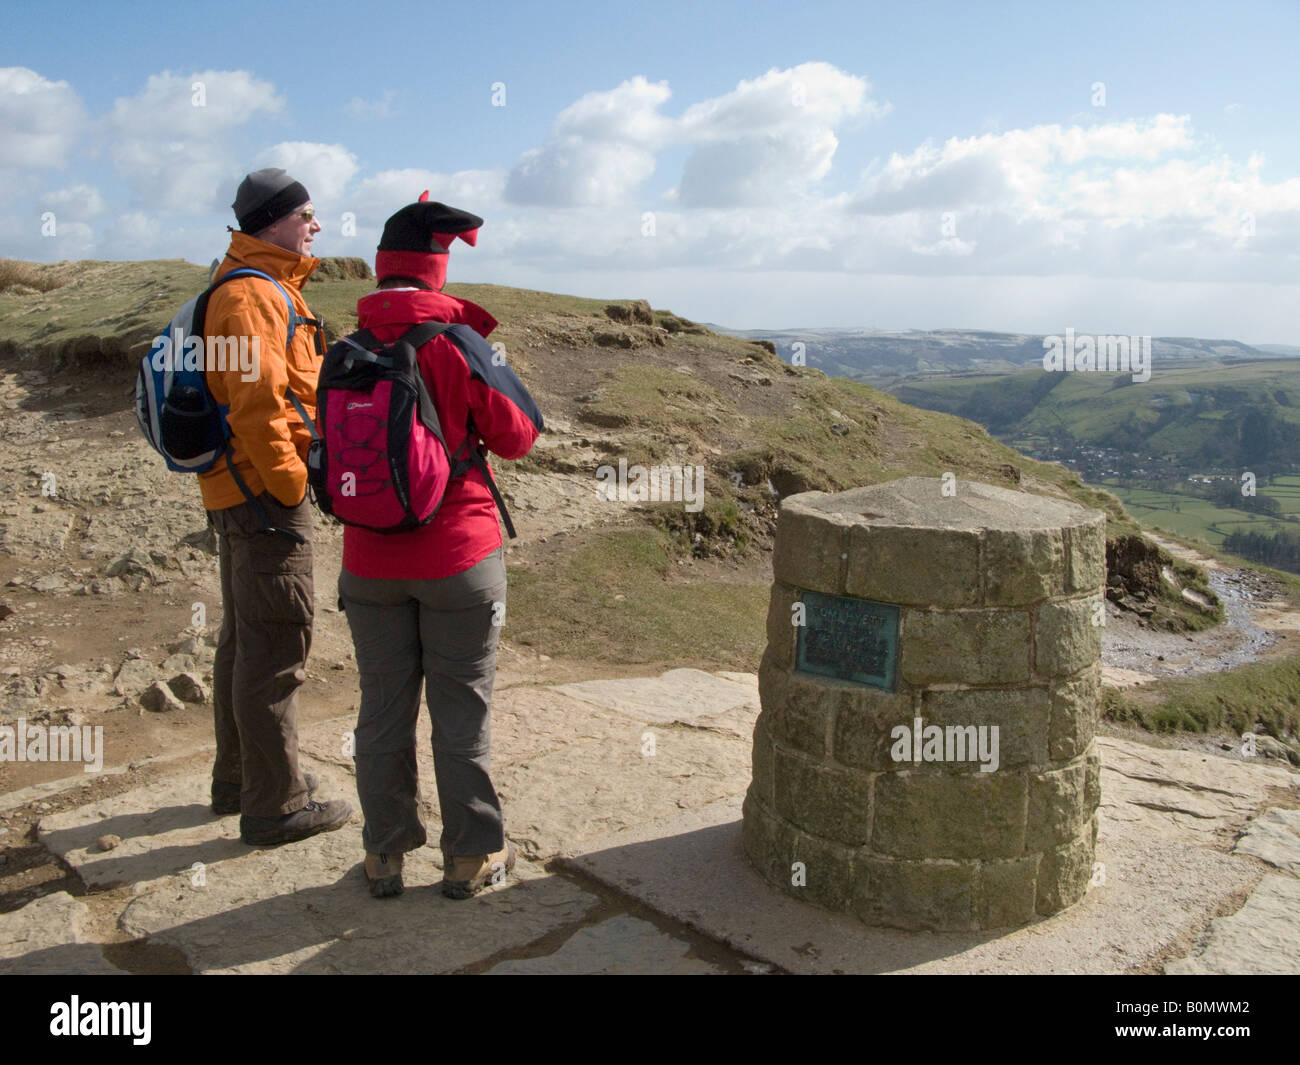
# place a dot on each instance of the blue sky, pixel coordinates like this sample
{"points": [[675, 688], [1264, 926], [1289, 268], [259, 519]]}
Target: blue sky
{"points": [[1010, 166]]}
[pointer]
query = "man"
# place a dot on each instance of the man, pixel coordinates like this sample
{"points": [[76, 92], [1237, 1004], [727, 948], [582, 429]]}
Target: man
{"points": [[256, 502], [425, 606]]}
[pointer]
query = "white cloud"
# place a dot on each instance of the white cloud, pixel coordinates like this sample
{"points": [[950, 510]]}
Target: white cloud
{"points": [[811, 94], [358, 107], [572, 172], [377, 197], [599, 150], [70, 240], [1142, 198], [771, 138], [755, 171], [40, 120], [926, 181], [170, 139], [372, 200], [325, 169], [76, 203], [766, 140], [627, 114], [1020, 166], [137, 235]]}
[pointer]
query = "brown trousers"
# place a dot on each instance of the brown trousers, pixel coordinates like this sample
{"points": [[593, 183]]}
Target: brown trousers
{"points": [[268, 606]]}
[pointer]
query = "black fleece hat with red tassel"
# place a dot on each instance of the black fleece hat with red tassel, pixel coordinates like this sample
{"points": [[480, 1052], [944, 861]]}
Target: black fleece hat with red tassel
{"points": [[417, 241]]}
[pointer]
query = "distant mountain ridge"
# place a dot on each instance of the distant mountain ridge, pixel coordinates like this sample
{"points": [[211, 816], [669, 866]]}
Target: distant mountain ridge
{"points": [[881, 356]]}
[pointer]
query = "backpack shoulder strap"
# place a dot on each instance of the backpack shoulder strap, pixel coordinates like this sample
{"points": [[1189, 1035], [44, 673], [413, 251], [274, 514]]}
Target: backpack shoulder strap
{"points": [[295, 319], [302, 413], [364, 347], [419, 335], [470, 456]]}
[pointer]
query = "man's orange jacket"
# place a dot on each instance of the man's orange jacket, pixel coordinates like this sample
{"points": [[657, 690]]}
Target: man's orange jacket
{"points": [[269, 442]]}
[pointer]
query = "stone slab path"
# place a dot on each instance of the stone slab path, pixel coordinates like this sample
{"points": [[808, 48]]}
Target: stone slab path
{"points": [[624, 799]]}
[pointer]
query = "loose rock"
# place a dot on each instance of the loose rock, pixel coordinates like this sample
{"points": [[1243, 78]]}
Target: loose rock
{"points": [[189, 688], [159, 698], [135, 675]]}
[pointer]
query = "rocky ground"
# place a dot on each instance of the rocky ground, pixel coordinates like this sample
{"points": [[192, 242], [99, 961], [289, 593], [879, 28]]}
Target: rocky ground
{"points": [[1260, 622], [622, 792]]}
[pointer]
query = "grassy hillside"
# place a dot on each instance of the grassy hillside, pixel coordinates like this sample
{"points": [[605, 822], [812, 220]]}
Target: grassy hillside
{"points": [[1248, 412], [620, 380]]}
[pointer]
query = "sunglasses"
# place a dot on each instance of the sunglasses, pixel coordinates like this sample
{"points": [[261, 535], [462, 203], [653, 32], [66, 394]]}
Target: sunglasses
{"points": [[306, 215]]}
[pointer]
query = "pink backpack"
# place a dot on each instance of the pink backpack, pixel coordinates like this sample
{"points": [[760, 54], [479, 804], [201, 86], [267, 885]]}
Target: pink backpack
{"points": [[378, 457]]}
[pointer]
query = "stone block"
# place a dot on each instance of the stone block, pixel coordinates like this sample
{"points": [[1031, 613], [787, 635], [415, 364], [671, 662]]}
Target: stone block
{"points": [[863, 721], [1022, 566], [913, 566], [966, 646], [834, 804], [940, 815], [1092, 782], [1076, 706], [764, 779], [1021, 716], [1085, 555], [930, 895], [827, 872], [799, 708], [1005, 892], [1064, 873], [811, 546], [1065, 638], [769, 842], [1056, 807], [781, 634]]}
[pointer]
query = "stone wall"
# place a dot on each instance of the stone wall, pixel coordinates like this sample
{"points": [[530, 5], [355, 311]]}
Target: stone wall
{"points": [[1000, 597]]}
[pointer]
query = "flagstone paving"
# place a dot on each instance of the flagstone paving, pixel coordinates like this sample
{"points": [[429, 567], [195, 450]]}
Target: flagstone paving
{"points": [[624, 799]]}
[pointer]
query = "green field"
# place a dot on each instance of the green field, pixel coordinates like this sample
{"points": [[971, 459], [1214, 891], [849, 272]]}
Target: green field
{"points": [[1216, 414], [1200, 519]]}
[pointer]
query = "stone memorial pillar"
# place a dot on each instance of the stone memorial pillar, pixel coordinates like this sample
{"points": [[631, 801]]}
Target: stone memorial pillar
{"points": [[924, 756]]}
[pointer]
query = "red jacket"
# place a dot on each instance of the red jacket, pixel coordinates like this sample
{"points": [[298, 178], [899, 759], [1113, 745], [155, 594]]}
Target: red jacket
{"points": [[463, 384]]}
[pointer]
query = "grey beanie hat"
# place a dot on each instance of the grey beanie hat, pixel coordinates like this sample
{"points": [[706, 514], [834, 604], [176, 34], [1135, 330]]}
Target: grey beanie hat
{"points": [[265, 197]]}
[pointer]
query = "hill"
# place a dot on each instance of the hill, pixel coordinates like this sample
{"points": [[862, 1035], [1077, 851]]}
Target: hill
{"points": [[592, 580], [1246, 415], [882, 357]]}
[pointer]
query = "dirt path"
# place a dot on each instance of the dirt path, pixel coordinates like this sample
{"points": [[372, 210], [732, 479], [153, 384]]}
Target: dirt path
{"points": [[1259, 623]]}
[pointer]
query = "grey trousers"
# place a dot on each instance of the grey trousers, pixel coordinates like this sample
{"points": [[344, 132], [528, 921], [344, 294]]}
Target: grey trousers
{"points": [[266, 598], [440, 633]]}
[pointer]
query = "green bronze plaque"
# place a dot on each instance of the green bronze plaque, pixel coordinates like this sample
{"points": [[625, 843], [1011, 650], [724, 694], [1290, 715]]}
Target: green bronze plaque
{"points": [[849, 639]]}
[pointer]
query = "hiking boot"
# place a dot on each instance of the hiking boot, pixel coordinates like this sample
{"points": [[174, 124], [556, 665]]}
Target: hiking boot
{"points": [[313, 818], [225, 797], [465, 877], [384, 875]]}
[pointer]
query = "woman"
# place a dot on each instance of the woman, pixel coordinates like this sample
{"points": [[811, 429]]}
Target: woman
{"points": [[425, 606]]}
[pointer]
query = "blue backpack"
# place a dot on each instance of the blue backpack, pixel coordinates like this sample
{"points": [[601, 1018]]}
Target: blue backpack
{"points": [[177, 414]]}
